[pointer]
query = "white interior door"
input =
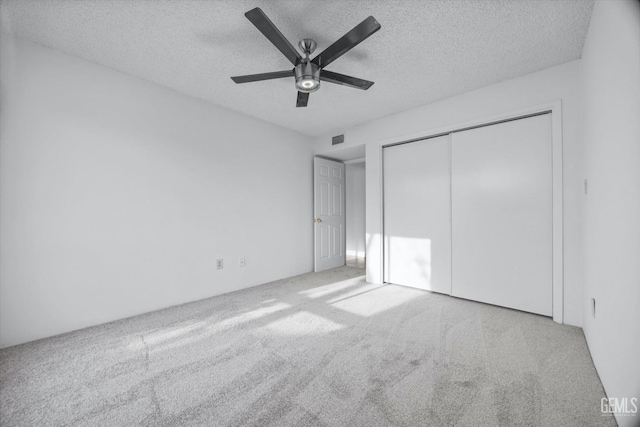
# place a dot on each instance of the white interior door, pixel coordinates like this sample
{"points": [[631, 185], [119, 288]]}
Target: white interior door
{"points": [[329, 210], [502, 214], [417, 214]]}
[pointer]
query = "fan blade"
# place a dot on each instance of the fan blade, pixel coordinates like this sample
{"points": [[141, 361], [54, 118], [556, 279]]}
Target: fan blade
{"points": [[341, 79], [303, 99], [270, 31], [262, 76], [347, 42]]}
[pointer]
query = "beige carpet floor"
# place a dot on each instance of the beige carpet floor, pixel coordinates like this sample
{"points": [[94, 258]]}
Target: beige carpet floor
{"points": [[322, 349]]}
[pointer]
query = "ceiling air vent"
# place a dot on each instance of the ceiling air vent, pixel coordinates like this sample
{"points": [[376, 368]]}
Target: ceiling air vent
{"points": [[337, 139]]}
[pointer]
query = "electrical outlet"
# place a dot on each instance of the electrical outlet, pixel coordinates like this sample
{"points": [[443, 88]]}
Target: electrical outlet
{"points": [[220, 264], [242, 262]]}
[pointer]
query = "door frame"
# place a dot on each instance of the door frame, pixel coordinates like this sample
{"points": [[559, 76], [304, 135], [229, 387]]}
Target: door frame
{"points": [[375, 211]]}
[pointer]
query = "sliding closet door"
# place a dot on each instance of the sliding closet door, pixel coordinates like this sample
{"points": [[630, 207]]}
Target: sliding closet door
{"points": [[417, 214], [502, 214]]}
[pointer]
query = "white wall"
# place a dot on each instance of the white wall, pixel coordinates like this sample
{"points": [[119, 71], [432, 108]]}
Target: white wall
{"points": [[611, 108], [355, 192], [557, 83], [117, 196]]}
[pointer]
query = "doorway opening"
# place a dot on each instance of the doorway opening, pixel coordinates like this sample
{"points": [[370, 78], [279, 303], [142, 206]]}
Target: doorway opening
{"points": [[355, 213], [340, 209]]}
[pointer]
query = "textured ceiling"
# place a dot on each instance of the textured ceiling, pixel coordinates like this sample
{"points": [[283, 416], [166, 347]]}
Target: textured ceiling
{"points": [[425, 51]]}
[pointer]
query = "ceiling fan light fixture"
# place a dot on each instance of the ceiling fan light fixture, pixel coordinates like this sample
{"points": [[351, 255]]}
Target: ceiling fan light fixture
{"points": [[307, 77], [307, 71]]}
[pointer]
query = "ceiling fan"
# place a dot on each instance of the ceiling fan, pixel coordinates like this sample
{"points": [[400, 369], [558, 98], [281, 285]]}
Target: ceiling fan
{"points": [[308, 72]]}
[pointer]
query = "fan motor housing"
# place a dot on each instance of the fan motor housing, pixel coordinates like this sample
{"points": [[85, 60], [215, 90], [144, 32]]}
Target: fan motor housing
{"points": [[307, 77]]}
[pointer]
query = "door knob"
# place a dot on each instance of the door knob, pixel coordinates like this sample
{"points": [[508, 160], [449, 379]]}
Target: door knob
{"points": [[318, 220]]}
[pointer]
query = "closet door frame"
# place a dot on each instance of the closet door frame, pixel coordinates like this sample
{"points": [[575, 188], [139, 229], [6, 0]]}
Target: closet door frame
{"points": [[375, 220]]}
